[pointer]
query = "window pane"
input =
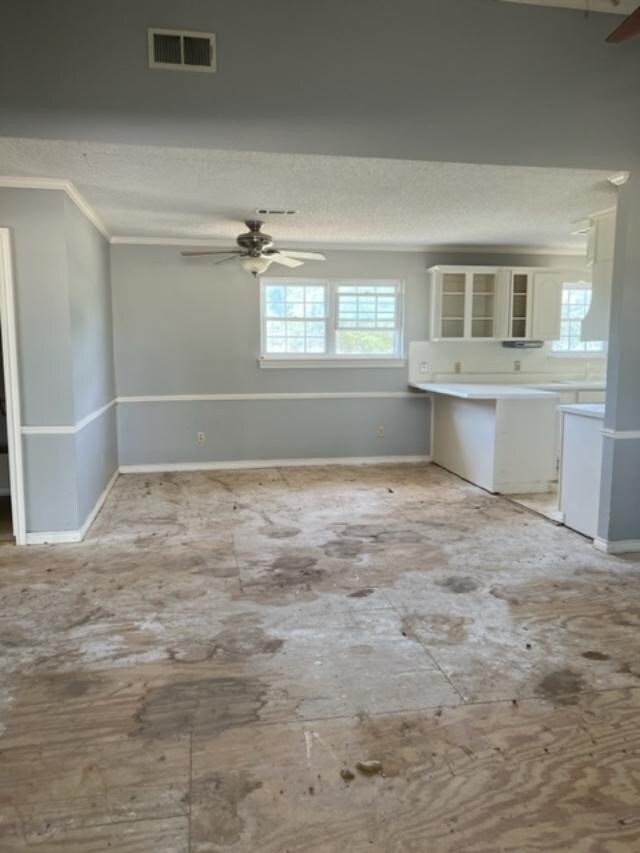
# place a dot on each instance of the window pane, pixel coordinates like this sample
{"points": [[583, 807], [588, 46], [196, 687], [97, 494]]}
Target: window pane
{"points": [[314, 309], [296, 314], [276, 328], [576, 300], [276, 309], [276, 345], [365, 343], [367, 306], [314, 294]]}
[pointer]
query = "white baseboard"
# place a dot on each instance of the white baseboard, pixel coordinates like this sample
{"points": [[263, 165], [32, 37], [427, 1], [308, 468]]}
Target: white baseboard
{"points": [[620, 546], [58, 537], [271, 463]]}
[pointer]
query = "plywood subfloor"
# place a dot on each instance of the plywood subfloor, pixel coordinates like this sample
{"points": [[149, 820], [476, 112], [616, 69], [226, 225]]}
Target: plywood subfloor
{"points": [[205, 672]]}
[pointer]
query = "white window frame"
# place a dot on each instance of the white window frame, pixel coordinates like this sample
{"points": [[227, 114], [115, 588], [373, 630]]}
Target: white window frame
{"points": [[578, 284], [331, 358]]}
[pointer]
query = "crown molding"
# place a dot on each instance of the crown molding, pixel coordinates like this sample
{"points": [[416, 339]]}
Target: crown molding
{"points": [[67, 187]]}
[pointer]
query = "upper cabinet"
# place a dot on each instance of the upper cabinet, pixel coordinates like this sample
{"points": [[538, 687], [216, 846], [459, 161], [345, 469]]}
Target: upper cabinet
{"points": [[463, 303], [546, 305], [488, 303]]}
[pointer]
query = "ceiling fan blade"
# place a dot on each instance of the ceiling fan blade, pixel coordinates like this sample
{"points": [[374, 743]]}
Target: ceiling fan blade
{"points": [[193, 254], [230, 258], [277, 258], [629, 28], [303, 256]]}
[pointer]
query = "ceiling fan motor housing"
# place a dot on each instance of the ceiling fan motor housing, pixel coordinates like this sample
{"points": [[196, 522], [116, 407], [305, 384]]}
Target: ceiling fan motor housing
{"points": [[254, 241]]}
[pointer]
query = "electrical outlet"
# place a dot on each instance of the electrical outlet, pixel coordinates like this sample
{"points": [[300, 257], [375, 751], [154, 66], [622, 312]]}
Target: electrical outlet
{"points": [[380, 432], [457, 366], [517, 365], [201, 437], [424, 367]]}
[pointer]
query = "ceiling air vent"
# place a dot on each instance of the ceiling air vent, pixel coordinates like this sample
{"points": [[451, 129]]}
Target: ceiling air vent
{"points": [[182, 50]]}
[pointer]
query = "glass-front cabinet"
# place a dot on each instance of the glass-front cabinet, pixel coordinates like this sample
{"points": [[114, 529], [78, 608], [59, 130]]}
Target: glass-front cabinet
{"points": [[464, 303], [495, 304]]}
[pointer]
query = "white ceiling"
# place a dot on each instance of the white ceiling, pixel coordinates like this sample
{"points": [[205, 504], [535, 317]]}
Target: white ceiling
{"points": [[204, 195], [615, 7]]}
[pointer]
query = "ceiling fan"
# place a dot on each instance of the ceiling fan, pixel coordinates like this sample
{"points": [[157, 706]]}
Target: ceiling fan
{"points": [[256, 252]]}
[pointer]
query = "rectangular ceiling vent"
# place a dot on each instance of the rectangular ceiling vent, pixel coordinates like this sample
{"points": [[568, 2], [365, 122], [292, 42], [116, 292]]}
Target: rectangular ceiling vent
{"points": [[275, 211], [182, 50]]}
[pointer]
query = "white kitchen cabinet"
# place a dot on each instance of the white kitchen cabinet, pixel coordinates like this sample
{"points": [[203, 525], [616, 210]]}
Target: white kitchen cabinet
{"points": [[466, 303], [581, 466], [520, 300], [492, 304], [500, 437], [547, 305]]}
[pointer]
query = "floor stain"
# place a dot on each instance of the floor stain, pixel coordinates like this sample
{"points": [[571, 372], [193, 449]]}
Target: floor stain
{"points": [[98, 614], [561, 687], [279, 532], [458, 584], [246, 642], [216, 800], [438, 629], [207, 706], [343, 549], [595, 656], [626, 618], [382, 535], [362, 593]]}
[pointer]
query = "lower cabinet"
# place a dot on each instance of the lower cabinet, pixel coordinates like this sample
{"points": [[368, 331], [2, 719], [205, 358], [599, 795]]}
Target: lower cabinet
{"points": [[581, 467]]}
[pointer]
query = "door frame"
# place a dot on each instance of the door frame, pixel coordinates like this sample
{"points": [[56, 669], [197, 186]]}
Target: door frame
{"points": [[12, 387]]}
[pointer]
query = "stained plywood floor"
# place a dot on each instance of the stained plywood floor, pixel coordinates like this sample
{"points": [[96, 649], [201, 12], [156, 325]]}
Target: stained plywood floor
{"points": [[205, 672]]}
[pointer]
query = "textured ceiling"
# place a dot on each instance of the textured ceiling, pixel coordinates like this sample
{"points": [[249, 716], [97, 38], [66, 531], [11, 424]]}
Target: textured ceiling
{"points": [[194, 194]]}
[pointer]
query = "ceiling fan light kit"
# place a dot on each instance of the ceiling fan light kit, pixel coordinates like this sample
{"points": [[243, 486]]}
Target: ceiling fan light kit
{"points": [[256, 266], [256, 252]]}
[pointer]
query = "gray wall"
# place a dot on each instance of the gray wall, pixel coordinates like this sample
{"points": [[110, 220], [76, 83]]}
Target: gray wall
{"points": [[88, 275], [188, 327], [89, 285], [185, 327], [65, 357], [461, 80], [37, 223], [619, 517]]}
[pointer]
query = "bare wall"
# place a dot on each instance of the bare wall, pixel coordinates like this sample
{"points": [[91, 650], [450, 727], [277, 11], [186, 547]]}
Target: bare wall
{"points": [[460, 80]]}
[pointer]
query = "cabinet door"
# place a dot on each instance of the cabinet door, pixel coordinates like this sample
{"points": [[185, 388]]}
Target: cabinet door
{"points": [[520, 305], [483, 296], [546, 306], [449, 305]]}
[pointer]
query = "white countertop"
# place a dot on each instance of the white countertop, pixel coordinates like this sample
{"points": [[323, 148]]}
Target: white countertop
{"points": [[571, 385], [479, 391], [586, 410]]}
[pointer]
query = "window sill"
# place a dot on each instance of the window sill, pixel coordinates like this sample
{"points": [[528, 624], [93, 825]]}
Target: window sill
{"points": [[270, 363]]}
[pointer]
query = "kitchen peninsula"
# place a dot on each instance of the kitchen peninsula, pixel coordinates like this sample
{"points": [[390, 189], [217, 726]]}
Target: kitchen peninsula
{"points": [[500, 437]]}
